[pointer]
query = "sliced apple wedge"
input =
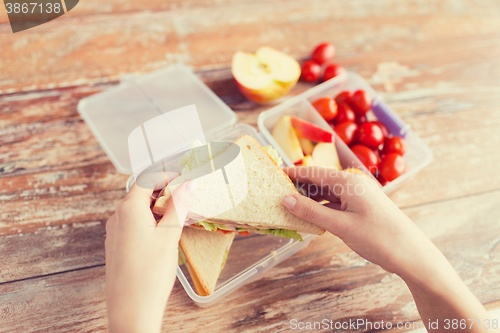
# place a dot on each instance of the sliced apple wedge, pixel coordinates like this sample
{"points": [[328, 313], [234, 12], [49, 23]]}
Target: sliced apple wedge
{"points": [[266, 75], [307, 145], [308, 161], [284, 134], [325, 155], [310, 131]]}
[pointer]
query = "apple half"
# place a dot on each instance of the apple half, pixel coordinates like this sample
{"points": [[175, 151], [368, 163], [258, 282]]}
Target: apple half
{"points": [[265, 75]]}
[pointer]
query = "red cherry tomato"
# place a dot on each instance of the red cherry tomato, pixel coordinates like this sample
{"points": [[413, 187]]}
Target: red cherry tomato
{"points": [[366, 156], [244, 233], [392, 166], [344, 97], [384, 129], [370, 135], [395, 145], [326, 107], [344, 113], [379, 154], [361, 102], [310, 71], [322, 53], [361, 119], [381, 180], [346, 131], [332, 71]]}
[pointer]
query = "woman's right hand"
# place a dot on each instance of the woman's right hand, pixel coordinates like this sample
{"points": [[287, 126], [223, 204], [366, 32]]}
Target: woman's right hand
{"points": [[371, 225], [364, 218]]}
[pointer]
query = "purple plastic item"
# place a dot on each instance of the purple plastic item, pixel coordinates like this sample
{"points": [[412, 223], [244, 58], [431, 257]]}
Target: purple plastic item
{"points": [[389, 118]]}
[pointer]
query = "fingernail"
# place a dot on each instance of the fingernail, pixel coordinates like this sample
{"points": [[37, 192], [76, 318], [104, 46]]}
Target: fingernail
{"points": [[289, 202], [192, 185]]}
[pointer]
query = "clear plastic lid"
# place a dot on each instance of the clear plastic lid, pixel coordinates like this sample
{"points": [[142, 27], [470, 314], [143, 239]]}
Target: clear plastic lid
{"points": [[113, 114]]}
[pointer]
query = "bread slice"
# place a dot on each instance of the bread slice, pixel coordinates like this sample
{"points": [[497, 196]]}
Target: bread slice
{"points": [[205, 252], [262, 207]]}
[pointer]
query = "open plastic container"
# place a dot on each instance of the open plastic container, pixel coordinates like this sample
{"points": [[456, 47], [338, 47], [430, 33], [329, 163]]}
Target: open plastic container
{"points": [[113, 114], [418, 155]]}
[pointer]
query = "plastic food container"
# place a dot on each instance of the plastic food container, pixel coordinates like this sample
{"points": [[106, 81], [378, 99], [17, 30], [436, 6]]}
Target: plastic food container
{"points": [[418, 155], [113, 114]]}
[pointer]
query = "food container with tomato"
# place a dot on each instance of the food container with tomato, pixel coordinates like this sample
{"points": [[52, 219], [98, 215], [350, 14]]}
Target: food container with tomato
{"points": [[113, 114], [393, 147]]}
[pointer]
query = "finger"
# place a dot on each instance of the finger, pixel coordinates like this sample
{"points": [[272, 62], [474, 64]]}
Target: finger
{"points": [[148, 182], [330, 219], [179, 204], [316, 175]]}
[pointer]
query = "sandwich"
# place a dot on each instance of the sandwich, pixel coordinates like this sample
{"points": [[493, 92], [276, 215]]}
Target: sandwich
{"points": [[261, 210], [204, 253]]}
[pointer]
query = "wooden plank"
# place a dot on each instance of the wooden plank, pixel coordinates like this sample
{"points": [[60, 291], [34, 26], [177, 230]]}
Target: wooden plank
{"points": [[67, 152], [43, 184], [51, 250], [363, 32], [464, 144], [117, 6], [325, 280]]}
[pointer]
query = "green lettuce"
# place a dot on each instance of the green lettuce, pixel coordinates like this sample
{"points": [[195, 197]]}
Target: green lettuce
{"points": [[210, 226], [281, 233], [207, 225], [273, 153]]}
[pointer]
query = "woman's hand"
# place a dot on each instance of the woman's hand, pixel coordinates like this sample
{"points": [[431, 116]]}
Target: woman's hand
{"points": [[141, 255], [363, 217], [372, 226]]}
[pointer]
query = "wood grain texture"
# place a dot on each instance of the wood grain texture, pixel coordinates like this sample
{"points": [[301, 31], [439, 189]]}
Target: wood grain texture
{"points": [[55, 174], [103, 46], [325, 280], [436, 62]]}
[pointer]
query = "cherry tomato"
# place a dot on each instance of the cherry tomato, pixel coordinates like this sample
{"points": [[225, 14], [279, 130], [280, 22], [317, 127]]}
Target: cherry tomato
{"points": [[370, 135], [346, 131], [310, 71], [392, 166], [332, 71], [344, 97], [326, 107], [322, 53], [361, 119], [366, 156], [344, 113], [244, 233], [384, 129], [381, 180], [395, 145], [379, 154], [361, 102]]}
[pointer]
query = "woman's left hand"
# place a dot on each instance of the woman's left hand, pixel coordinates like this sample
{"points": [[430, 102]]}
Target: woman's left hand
{"points": [[141, 255]]}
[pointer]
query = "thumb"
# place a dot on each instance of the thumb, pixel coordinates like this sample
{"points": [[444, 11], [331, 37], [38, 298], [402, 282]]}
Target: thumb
{"points": [[179, 204], [307, 209]]}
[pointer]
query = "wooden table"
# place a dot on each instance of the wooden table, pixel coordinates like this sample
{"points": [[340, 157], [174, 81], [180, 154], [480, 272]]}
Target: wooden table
{"points": [[437, 63]]}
